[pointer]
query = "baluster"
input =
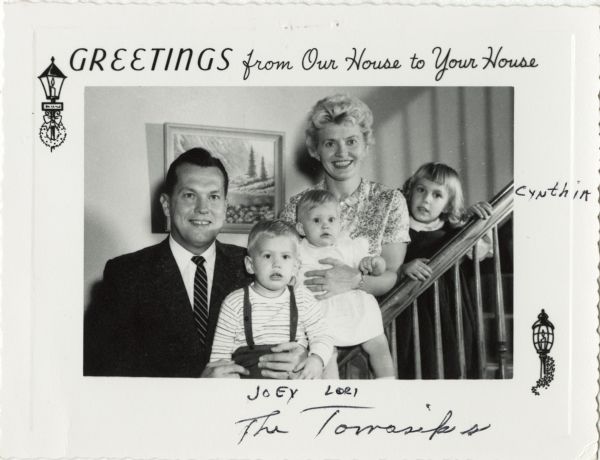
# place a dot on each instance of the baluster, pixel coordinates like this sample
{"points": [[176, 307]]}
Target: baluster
{"points": [[500, 317], [416, 340], [392, 342], [439, 350], [460, 336], [479, 312]]}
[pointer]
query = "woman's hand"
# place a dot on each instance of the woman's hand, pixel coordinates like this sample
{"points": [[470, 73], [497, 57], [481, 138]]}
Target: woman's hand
{"points": [[286, 361], [331, 281], [342, 278]]}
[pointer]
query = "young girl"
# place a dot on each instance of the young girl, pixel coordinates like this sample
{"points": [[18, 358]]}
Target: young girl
{"points": [[354, 317], [436, 207]]}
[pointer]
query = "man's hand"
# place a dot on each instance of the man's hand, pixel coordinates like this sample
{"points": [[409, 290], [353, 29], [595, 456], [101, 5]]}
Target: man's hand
{"points": [[285, 362], [340, 278], [417, 269], [224, 369]]}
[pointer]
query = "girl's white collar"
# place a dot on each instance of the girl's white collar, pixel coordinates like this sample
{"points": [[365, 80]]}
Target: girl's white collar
{"points": [[429, 227]]}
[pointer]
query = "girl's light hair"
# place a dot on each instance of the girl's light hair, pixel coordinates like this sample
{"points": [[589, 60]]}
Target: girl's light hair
{"points": [[339, 109], [441, 174], [270, 229]]}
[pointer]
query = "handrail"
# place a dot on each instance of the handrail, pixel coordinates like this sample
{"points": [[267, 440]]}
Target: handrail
{"points": [[406, 293]]}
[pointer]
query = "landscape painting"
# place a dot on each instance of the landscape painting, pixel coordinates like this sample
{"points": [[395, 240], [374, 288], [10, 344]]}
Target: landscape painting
{"points": [[252, 160]]}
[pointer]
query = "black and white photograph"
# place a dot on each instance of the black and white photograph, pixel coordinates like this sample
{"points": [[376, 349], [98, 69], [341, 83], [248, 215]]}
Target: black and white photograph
{"points": [[279, 230], [422, 176]]}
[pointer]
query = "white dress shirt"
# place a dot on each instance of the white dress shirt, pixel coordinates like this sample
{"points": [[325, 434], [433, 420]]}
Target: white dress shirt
{"points": [[187, 268]]}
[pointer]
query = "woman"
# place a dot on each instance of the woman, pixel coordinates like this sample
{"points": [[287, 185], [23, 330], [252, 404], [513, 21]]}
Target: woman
{"points": [[339, 135]]}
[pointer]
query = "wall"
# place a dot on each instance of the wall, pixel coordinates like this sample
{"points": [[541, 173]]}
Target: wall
{"points": [[468, 128]]}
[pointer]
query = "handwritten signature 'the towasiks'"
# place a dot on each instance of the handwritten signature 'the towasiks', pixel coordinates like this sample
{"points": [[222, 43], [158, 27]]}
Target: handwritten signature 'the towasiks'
{"points": [[335, 420]]}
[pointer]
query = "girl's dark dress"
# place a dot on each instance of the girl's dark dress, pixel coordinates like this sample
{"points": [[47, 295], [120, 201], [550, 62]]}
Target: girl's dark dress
{"points": [[425, 244]]}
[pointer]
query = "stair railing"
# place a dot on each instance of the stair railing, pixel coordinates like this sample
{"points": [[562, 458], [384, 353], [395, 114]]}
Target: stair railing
{"points": [[449, 257]]}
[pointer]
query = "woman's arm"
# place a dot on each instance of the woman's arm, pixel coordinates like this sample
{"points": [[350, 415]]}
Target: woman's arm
{"points": [[393, 253], [335, 280], [394, 243], [342, 278]]}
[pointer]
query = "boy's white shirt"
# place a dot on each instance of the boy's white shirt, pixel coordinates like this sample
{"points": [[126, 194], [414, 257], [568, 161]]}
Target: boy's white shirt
{"points": [[230, 334]]}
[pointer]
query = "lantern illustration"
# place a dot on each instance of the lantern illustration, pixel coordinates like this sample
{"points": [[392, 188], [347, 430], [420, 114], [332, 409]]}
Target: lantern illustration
{"points": [[52, 132], [543, 339]]}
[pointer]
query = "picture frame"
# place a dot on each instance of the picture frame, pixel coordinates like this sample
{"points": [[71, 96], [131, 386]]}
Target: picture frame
{"points": [[253, 160]]}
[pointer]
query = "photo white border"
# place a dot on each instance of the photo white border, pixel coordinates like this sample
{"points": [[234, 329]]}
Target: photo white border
{"points": [[46, 404]]}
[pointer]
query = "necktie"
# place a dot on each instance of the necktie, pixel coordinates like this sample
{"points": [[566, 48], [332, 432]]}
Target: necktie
{"points": [[200, 298]]}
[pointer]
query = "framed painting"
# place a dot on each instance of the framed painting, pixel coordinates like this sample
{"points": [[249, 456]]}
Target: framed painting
{"points": [[253, 160]]}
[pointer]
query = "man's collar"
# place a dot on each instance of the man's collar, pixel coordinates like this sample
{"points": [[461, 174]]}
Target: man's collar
{"points": [[183, 256]]}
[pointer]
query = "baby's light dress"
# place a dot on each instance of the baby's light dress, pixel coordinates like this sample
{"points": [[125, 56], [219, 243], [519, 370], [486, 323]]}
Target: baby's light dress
{"points": [[354, 316]]}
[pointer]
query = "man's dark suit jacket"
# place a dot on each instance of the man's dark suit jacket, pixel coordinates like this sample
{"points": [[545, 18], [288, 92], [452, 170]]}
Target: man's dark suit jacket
{"points": [[140, 324]]}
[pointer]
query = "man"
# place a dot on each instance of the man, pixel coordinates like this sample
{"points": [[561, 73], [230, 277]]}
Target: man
{"points": [[157, 309]]}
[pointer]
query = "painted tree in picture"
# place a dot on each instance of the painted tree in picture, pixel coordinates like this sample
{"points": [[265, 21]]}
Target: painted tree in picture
{"points": [[252, 164], [251, 195], [263, 170]]}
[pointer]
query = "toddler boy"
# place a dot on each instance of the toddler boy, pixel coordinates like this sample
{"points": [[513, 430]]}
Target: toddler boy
{"points": [[270, 311]]}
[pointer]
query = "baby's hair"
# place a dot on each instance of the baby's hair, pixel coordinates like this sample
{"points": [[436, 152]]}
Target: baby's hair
{"points": [[271, 229], [339, 109], [311, 199], [441, 174]]}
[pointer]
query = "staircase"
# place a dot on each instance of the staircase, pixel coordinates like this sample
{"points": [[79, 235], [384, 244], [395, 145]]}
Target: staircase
{"points": [[490, 285]]}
